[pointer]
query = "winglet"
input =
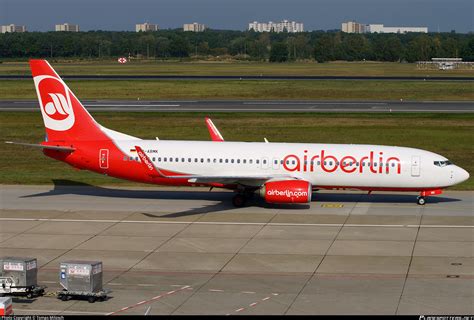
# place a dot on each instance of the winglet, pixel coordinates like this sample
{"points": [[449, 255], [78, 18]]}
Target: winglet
{"points": [[213, 131], [153, 171]]}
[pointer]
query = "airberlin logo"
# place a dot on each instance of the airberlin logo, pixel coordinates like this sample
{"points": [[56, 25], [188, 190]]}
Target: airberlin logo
{"points": [[55, 103], [287, 193], [373, 162], [145, 160]]}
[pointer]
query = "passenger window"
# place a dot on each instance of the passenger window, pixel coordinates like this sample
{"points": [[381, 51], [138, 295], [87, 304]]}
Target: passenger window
{"points": [[159, 159], [153, 159], [250, 161], [182, 160], [165, 159], [208, 160], [257, 161], [220, 160], [375, 164], [238, 160], [171, 159], [195, 159], [214, 160], [125, 158], [231, 160], [226, 160], [202, 160], [244, 161]]}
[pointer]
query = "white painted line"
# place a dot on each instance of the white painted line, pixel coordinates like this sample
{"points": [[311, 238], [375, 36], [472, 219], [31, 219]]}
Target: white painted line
{"points": [[246, 223], [248, 292], [132, 105], [216, 290], [315, 103], [41, 311], [115, 284], [264, 299], [145, 285], [253, 304], [240, 309], [274, 294]]}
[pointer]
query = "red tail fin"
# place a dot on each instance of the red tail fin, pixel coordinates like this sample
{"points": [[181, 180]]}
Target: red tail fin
{"points": [[65, 118]]}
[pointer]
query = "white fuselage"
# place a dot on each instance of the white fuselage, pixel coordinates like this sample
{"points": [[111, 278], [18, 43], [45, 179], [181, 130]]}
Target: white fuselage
{"points": [[323, 165]]}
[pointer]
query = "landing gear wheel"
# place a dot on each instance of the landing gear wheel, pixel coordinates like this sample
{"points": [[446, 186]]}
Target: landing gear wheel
{"points": [[238, 200], [64, 297], [421, 200], [91, 299]]}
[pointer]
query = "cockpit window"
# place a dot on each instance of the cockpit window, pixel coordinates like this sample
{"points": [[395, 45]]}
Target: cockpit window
{"points": [[442, 163]]}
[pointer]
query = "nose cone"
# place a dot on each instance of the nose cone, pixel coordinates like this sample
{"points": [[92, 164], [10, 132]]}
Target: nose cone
{"points": [[461, 175]]}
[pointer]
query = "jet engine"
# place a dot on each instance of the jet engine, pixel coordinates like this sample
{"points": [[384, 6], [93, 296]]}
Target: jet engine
{"points": [[286, 191]]}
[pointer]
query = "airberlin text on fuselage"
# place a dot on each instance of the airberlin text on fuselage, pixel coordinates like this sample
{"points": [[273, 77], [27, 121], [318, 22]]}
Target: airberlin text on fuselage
{"points": [[371, 163]]}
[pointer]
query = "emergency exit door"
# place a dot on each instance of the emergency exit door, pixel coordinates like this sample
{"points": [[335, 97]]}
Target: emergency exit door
{"points": [[415, 166], [104, 158]]}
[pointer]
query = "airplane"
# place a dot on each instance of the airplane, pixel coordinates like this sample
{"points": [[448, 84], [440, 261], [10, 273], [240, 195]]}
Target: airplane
{"points": [[282, 173]]}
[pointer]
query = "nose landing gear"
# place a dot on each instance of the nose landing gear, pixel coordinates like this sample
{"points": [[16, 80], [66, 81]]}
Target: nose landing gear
{"points": [[421, 200]]}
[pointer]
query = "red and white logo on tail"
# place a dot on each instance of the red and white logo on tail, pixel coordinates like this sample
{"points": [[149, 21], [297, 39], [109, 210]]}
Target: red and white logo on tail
{"points": [[55, 102]]}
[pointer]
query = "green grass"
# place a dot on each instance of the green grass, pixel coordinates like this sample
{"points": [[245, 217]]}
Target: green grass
{"points": [[248, 89], [150, 67], [448, 134]]}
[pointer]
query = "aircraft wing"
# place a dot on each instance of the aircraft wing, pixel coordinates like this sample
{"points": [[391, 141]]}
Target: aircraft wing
{"points": [[213, 131], [36, 145], [247, 180]]}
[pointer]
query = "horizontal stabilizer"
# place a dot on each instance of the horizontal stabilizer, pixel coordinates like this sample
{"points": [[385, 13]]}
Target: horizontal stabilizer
{"points": [[36, 145]]}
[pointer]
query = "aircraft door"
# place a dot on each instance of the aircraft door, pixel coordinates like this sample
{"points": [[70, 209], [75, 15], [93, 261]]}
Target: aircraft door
{"points": [[104, 158], [415, 166]]}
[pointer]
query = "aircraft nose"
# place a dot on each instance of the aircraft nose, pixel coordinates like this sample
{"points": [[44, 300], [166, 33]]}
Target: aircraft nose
{"points": [[461, 175]]}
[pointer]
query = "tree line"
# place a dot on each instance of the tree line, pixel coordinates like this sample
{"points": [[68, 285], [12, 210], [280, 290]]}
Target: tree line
{"points": [[246, 45]]}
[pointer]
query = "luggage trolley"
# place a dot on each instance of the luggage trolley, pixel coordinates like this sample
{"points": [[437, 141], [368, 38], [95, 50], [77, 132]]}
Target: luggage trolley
{"points": [[19, 276], [81, 280]]}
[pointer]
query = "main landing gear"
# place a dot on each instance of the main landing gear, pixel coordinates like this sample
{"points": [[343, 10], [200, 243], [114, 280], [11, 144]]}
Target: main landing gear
{"points": [[239, 200], [242, 196], [421, 200]]}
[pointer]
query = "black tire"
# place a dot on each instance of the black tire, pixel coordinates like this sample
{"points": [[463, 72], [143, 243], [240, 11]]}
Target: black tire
{"points": [[29, 296], [421, 201], [238, 200], [63, 297], [91, 299]]}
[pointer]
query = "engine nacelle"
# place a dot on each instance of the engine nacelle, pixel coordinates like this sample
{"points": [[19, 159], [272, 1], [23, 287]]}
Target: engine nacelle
{"points": [[287, 191]]}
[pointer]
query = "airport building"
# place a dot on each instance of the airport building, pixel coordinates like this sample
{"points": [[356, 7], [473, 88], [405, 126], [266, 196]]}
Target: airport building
{"points": [[67, 27], [380, 28], [285, 25], [144, 27], [194, 27], [12, 28], [355, 27]]}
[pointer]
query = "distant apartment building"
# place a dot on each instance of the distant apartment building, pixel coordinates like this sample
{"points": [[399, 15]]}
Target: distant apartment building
{"points": [[355, 27], [194, 27], [12, 28], [285, 25], [67, 27], [146, 27]]}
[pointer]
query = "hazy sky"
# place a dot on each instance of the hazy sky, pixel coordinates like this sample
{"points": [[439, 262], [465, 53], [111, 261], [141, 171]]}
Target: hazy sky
{"points": [[42, 15]]}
